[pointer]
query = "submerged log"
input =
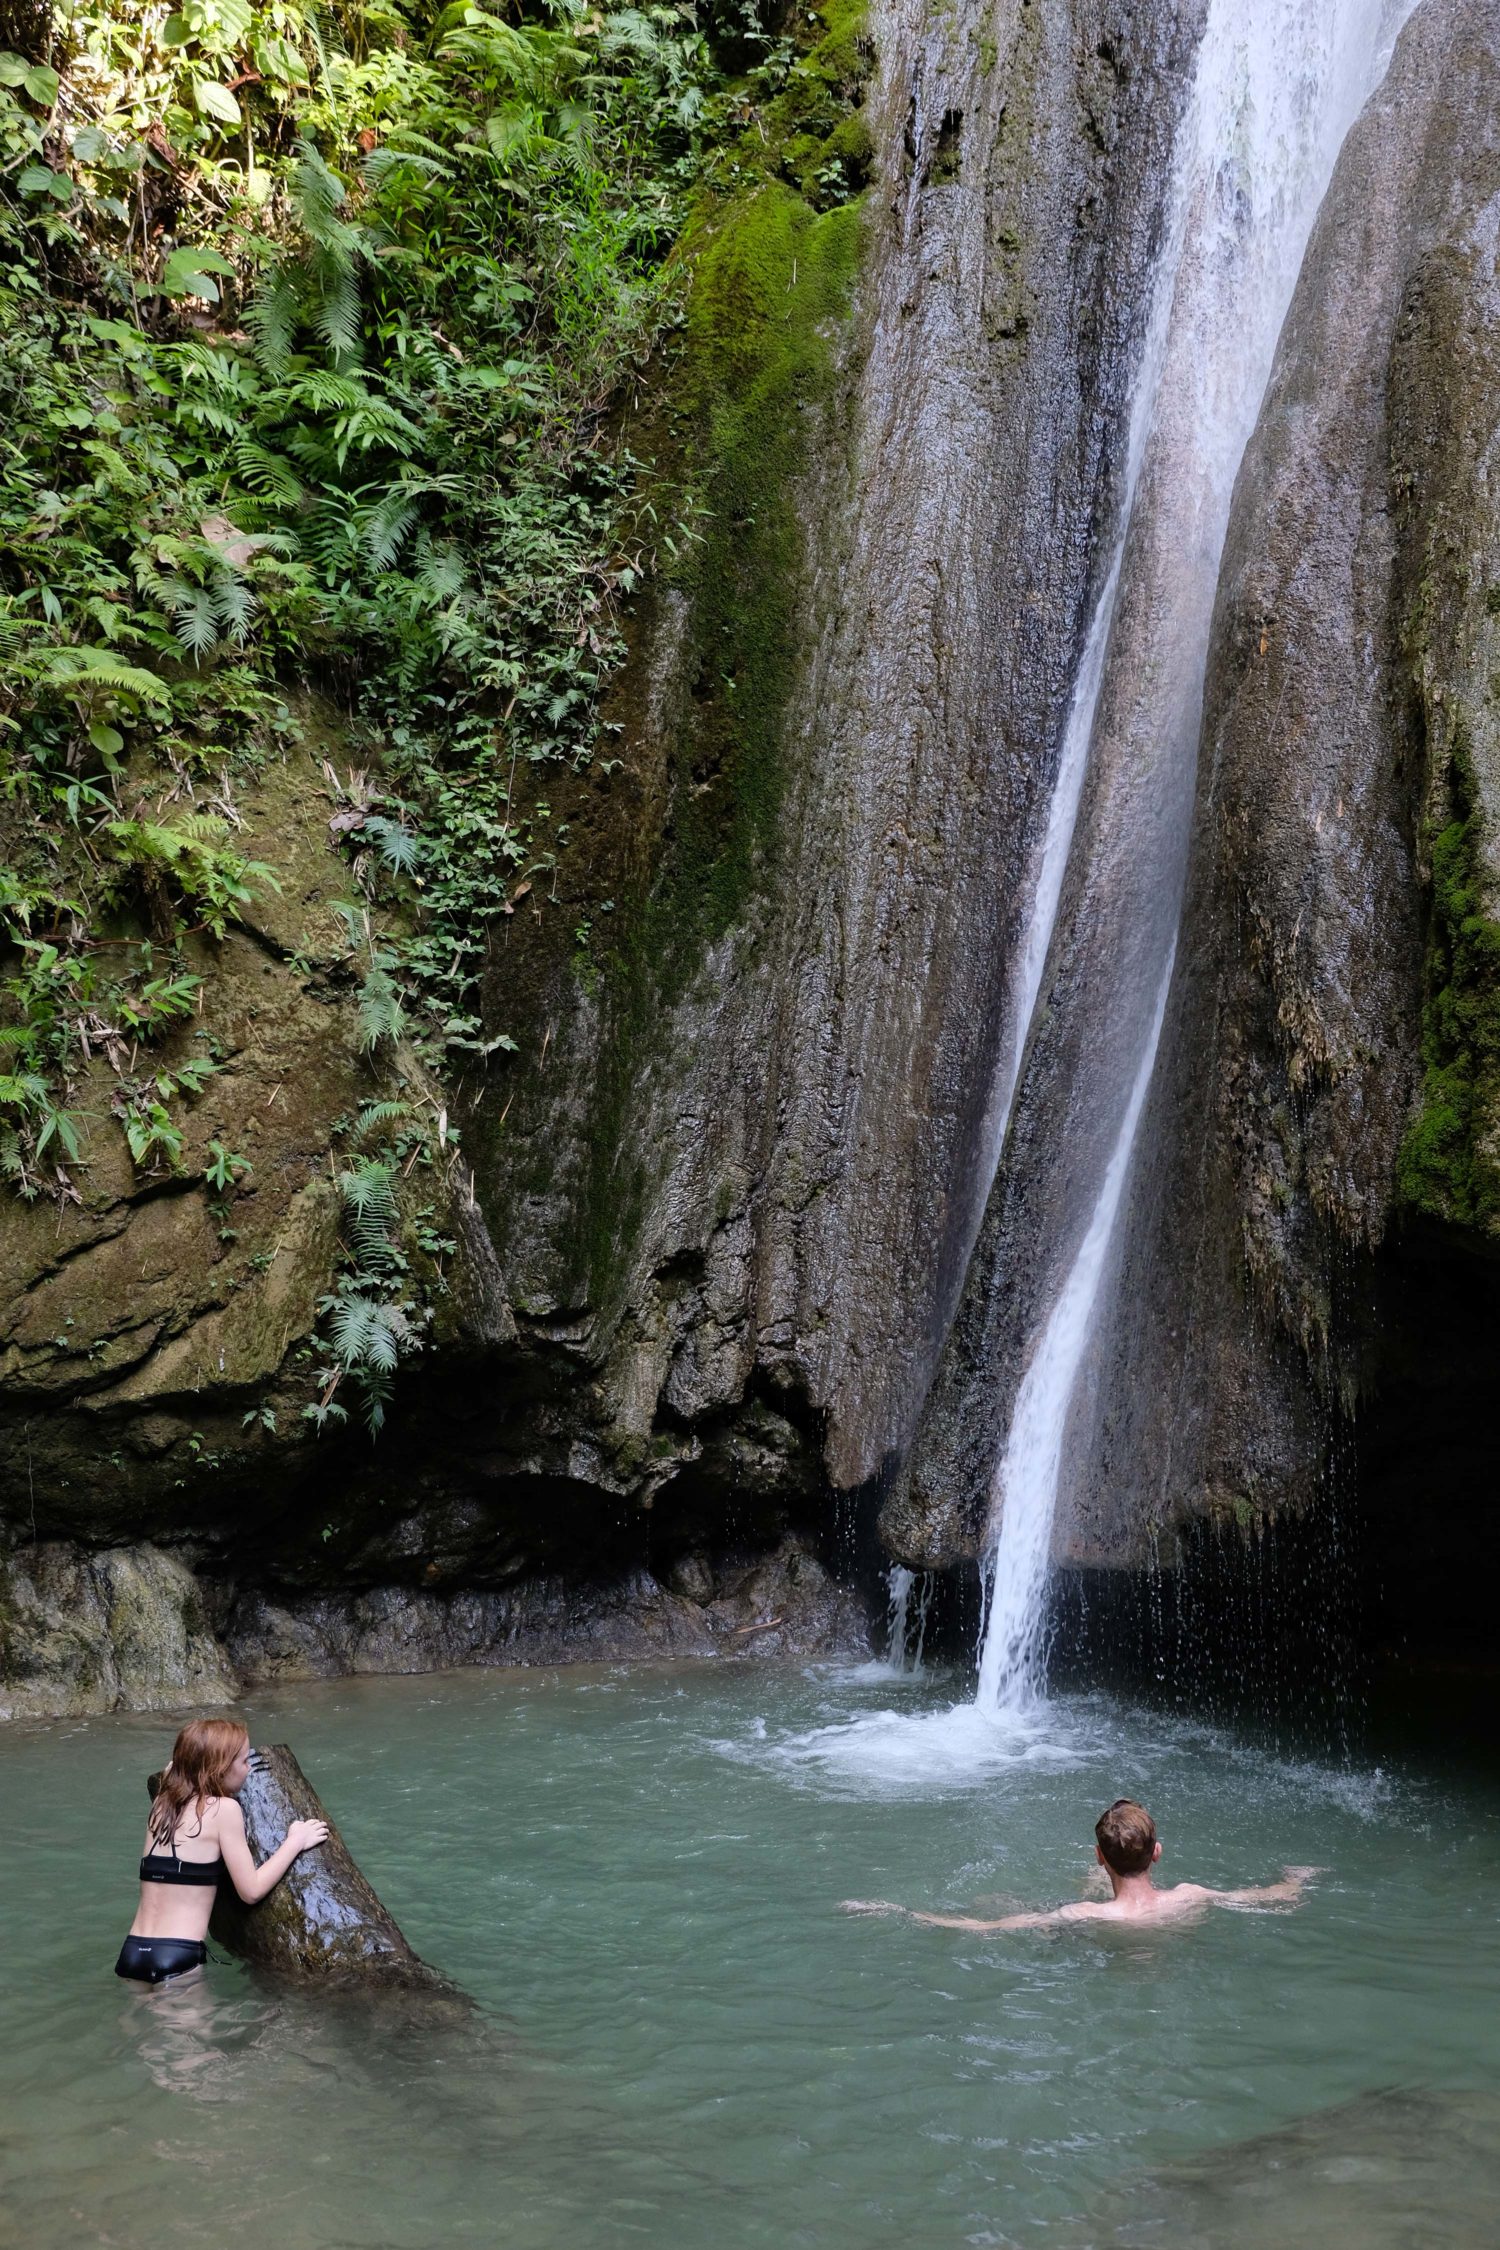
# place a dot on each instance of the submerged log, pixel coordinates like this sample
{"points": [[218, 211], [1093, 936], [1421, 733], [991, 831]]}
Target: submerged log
{"points": [[322, 1923]]}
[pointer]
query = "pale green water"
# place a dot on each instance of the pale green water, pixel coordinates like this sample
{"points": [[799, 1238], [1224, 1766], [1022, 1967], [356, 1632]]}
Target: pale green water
{"points": [[686, 2045]]}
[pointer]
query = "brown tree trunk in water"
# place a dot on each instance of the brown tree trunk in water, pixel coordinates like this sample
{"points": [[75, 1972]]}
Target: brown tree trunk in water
{"points": [[322, 1922]]}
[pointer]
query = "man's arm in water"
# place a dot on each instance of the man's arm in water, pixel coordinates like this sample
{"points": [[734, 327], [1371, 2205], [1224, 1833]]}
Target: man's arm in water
{"points": [[1086, 1910], [1287, 1892], [1182, 1895]]}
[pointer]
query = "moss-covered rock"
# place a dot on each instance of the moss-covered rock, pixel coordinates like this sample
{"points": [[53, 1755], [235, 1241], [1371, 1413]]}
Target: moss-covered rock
{"points": [[155, 1347], [122, 1629], [1445, 395]]}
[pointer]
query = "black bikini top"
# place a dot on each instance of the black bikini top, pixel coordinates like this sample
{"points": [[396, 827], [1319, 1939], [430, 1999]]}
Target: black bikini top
{"points": [[166, 1867]]}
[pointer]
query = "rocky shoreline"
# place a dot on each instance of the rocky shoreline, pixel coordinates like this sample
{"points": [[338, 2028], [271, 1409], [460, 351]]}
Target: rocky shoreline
{"points": [[135, 1628]]}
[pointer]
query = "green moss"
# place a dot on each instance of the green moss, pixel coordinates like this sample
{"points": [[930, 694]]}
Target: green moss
{"points": [[773, 287], [1445, 1169], [771, 294], [775, 253]]}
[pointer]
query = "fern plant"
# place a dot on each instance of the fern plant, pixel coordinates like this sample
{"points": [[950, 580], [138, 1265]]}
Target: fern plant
{"points": [[370, 1326], [322, 393]]}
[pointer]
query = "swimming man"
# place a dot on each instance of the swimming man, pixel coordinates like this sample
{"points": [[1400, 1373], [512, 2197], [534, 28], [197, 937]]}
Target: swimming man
{"points": [[1126, 1848]]}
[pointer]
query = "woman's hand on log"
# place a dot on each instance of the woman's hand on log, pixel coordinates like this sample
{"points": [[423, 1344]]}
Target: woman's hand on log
{"points": [[304, 1834]]}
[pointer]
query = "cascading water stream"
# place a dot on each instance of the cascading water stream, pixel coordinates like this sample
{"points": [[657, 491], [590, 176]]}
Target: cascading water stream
{"points": [[1277, 85], [1033, 1458], [906, 1620]]}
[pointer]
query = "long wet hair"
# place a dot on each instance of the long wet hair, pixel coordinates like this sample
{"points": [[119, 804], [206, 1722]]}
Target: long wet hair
{"points": [[201, 1757]]}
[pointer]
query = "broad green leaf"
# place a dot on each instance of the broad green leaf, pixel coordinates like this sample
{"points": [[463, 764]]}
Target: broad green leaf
{"points": [[108, 741], [41, 84], [216, 102], [188, 273]]}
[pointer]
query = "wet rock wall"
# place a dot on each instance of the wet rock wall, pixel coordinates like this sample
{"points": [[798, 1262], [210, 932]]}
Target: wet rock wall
{"points": [[1323, 1119]]}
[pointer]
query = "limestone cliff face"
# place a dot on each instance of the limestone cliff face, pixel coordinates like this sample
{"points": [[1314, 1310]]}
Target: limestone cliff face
{"points": [[1325, 1084], [713, 1217], [1327, 1094], [779, 1186], [714, 1220]]}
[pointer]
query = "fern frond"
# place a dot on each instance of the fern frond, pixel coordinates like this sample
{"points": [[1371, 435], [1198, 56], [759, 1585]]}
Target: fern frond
{"points": [[380, 1113], [193, 619], [270, 474], [23, 1091], [384, 1337], [381, 1015], [335, 309], [397, 846], [234, 604], [350, 1326], [271, 317], [370, 1190], [384, 529]]}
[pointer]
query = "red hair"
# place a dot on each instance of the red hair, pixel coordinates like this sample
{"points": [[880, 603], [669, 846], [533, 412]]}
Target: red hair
{"points": [[201, 1757]]}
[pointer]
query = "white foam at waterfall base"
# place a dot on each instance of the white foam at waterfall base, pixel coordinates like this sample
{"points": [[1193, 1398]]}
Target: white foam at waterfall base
{"points": [[877, 1751], [915, 1753]]}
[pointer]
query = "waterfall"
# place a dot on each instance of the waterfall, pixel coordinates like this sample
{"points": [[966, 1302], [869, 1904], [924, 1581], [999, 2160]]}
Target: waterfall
{"points": [[1277, 85], [910, 1594]]}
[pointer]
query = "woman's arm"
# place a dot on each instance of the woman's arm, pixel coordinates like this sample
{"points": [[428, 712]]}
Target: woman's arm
{"points": [[254, 1882]]}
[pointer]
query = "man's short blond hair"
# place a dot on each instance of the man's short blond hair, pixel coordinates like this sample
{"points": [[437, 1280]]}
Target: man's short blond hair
{"points": [[1126, 1835]]}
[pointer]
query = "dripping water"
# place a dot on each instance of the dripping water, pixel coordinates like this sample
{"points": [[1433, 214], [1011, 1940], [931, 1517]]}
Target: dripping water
{"points": [[910, 1594]]}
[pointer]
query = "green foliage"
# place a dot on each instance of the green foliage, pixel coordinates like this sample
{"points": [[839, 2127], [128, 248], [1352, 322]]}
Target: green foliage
{"points": [[375, 1314], [318, 330], [225, 1169], [312, 325]]}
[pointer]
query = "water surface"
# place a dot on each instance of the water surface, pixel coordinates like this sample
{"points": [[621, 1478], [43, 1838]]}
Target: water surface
{"points": [[682, 2042]]}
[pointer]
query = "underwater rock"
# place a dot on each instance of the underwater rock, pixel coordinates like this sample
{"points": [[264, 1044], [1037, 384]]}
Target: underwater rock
{"points": [[1387, 2170], [323, 1922]]}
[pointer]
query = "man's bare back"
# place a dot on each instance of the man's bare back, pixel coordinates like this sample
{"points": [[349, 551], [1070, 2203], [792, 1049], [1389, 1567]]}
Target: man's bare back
{"points": [[1127, 1850]]}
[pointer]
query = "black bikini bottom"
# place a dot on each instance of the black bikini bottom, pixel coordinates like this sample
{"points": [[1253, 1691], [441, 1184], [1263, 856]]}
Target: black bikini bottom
{"points": [[150, 1959]]}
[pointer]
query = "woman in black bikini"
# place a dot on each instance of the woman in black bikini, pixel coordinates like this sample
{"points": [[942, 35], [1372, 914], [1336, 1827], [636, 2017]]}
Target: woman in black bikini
{"points": [[196, 1828]]}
